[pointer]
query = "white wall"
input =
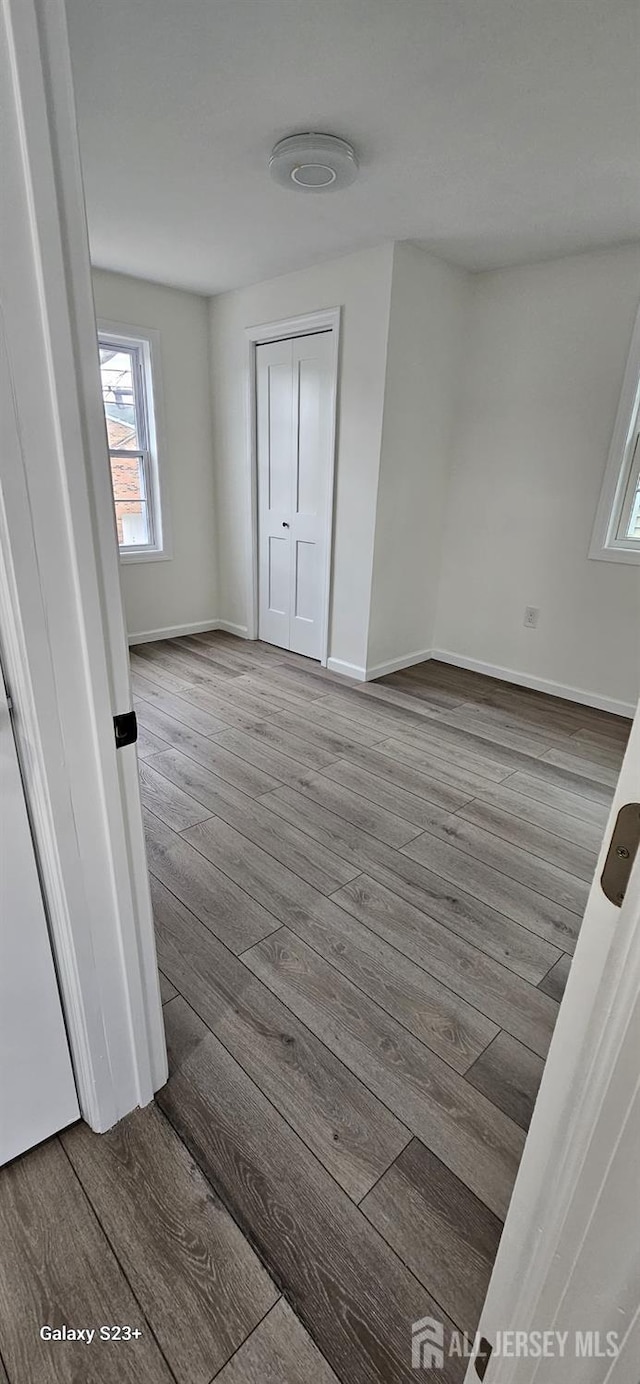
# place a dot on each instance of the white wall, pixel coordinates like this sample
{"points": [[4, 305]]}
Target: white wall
{"points": [[361, 284], [183, 590], [428, 301], [546, 351]]}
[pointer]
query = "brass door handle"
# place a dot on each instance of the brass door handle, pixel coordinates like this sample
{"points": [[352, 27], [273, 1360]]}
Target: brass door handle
{"points": [[621, 854]]}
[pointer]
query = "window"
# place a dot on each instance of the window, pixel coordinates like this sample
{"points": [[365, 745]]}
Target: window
{"points": [[616, 535], [127, 393]]}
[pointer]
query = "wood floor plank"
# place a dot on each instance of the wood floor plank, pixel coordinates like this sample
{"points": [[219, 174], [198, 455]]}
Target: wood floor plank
{"points": [[278, 737], [333, 734], [57, 1268], [499, 806], [238, 656], [509, 1074], [209, 753], [223, 663], [446, 1236], [420, 690], [171, 653], [573, 803], [249, 697], [199, 1283], [177, 707], [351, 1292], [293, 699], [274, 762], [361, 812], [225, 709], [148, 744], [518, 863], [534, 840], [384, 718], [607, 739], [167, 990], [255, 649], [307, 686], [554, 982], [512, 1003], [154, 672], [226, 698], [474, 1139], [540, 707], [420, 1003], [500, 937], [417, 811], [396, 770], [144, 675], [551, 921], [200, 660], [462, 745], [582, 765], [382, 693], [320, 867], [279, 1351], [216, 695], [483, 719], [566, 767], [464, 771], [424, 1006], [183, 669], [326, 714], [508, 736], [225, 909], [348, 1129], [532, 716], [570, 781], [173, 806]]}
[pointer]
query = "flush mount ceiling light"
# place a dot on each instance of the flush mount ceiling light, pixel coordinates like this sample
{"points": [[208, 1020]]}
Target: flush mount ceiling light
{"points": [[313, 163]]}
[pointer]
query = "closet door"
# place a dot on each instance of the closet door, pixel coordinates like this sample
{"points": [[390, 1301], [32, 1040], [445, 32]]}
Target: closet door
{"points": [[310, 518], [275, 403], [37, 1091], [294, 403]]}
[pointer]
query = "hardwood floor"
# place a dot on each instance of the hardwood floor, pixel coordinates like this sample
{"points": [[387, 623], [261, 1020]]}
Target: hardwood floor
{"points": [[366, 900]]}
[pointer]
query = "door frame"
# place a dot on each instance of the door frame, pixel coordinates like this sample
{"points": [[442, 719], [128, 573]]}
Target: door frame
{"points": [[325, 319], [61, 619]]}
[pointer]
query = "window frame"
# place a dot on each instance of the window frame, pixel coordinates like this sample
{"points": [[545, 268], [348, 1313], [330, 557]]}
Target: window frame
{"points": [[147, 393], [608, 543]]}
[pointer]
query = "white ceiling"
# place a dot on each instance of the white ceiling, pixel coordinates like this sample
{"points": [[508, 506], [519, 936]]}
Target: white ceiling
{"points": [[491, 131]]}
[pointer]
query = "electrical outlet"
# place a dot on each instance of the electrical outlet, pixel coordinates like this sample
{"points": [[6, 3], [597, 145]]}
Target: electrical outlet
{"points": [[531, 617]]}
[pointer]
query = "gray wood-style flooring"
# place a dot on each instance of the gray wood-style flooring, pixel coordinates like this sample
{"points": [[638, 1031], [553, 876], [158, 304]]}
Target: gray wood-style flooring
{"points": [[366, 901]]}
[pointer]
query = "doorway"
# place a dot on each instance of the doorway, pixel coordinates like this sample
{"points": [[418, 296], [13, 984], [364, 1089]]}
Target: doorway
{"points": [[293, 371]]}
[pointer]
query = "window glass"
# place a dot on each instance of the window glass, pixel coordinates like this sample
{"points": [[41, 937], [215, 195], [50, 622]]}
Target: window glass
{"points": [[122, 373]]}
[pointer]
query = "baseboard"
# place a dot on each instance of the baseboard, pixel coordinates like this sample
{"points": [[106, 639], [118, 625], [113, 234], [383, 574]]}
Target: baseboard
{"points": [[348, 670], [393, 665], [553, 689], [174, 631], [240, 631]]}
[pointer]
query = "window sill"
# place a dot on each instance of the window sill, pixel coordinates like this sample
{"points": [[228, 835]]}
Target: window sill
{"points": [[150, 555], [630, 556]]}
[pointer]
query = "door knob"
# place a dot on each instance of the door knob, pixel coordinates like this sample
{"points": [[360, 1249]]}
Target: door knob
{"points": [[285, 524]]}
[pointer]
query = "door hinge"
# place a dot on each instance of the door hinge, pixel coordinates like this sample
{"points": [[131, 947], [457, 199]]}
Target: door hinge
{"points": [[125, 729], [622, 853], [483, 1356]]}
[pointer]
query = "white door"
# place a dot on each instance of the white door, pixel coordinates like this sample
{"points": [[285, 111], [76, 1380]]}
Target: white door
{"points": [[294, 429], [569, 1257], [37, 1091]]}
